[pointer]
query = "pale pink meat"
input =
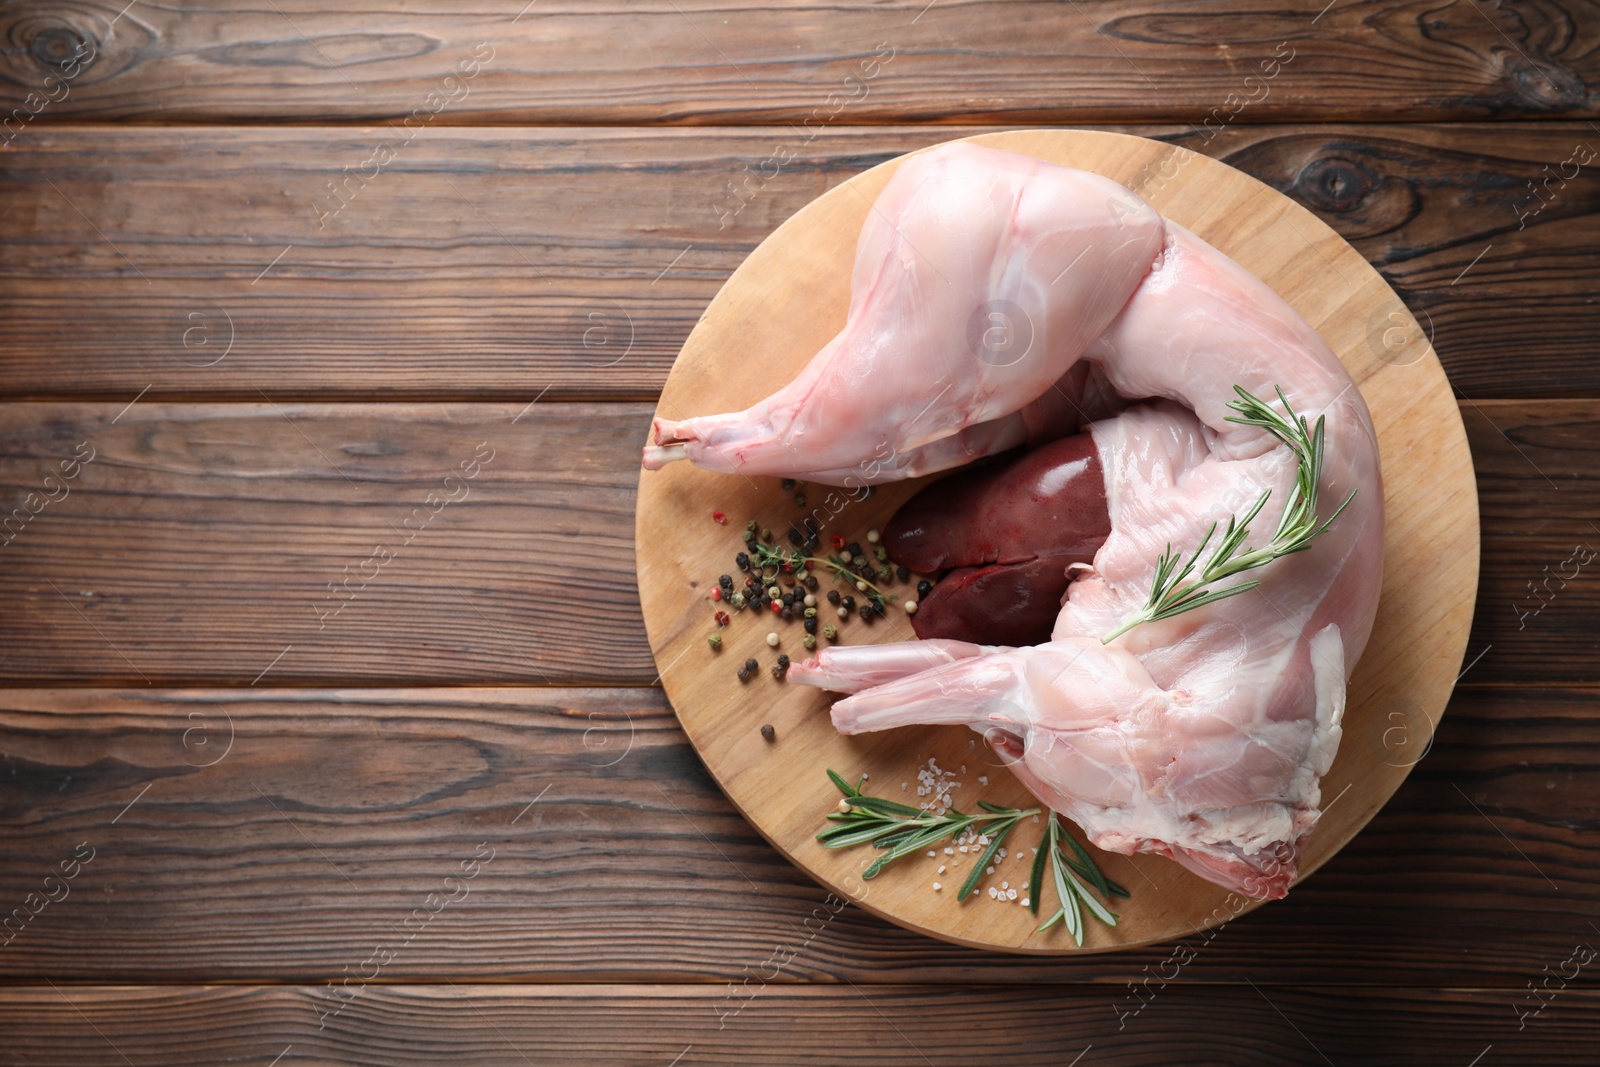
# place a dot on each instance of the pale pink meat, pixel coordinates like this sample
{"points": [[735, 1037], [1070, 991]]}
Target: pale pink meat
{"points": [[980, 277], [1202, 737]]}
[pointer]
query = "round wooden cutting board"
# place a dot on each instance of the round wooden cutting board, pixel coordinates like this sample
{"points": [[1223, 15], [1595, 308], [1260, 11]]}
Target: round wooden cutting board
{"points": [[783, 303]]}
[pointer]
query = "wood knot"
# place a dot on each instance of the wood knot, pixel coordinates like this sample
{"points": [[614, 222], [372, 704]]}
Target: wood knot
{"points": [[1334, 184], [1546, 84], [58, 46], [72, 41]]}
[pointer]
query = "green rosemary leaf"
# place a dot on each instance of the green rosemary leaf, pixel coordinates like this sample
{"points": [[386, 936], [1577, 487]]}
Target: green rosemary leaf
{"points": [[845, 836], [885, 807], [1085, 866], [1071, 906], [1036, 879], [1091, 871], [997, 838], [844, 786], [1189, 603], [913, 843], [892, 835], [1096, 909]]}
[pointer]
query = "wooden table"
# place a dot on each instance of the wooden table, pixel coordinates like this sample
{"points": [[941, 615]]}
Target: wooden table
{"points": [[330, 336]]}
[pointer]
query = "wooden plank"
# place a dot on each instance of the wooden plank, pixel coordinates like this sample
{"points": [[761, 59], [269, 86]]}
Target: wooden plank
{"points": [[357, 543], [1539, 498], [492, 264], [901, 1025], [279, 835], [199, 543], [614, 62]]}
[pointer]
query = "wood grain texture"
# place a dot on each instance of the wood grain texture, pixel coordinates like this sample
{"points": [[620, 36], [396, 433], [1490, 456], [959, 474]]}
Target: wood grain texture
{"points": [[785, 301], [201, 539], [279, 835], [614, 62], [1540, 494], [216, 543], [210, 262], [902, 1025]]}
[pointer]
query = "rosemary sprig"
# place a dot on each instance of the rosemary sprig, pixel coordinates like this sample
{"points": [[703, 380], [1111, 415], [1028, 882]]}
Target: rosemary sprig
{"points": [[900, 830], [1071, 896], [768, 556], [1174, 591]]}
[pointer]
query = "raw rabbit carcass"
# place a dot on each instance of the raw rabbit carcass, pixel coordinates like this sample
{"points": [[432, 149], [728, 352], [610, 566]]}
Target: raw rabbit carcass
{"points": [[1203, 736]]}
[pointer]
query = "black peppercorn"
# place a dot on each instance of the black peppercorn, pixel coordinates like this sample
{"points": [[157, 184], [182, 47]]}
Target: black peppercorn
{"points": [[745, 673], [788, 485], [743, 561], [848, 603], [751, 665], [854, 548], [810, 582], [924, 587], [768, 732], [811, 625], [902, 573], [783, 661], [866, 613], [794, 537], [833, 596]]}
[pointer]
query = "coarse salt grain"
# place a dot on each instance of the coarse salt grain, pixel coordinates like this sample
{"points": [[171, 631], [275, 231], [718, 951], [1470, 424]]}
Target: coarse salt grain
{"points": [[940, 870], [983, 779], [931, 853], [936, 887], [1011, 894], [989, 870]]}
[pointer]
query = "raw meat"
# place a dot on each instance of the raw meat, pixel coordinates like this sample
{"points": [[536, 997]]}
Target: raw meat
{"points": [[1008, 535], [1202, 737], [963, 245]]}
